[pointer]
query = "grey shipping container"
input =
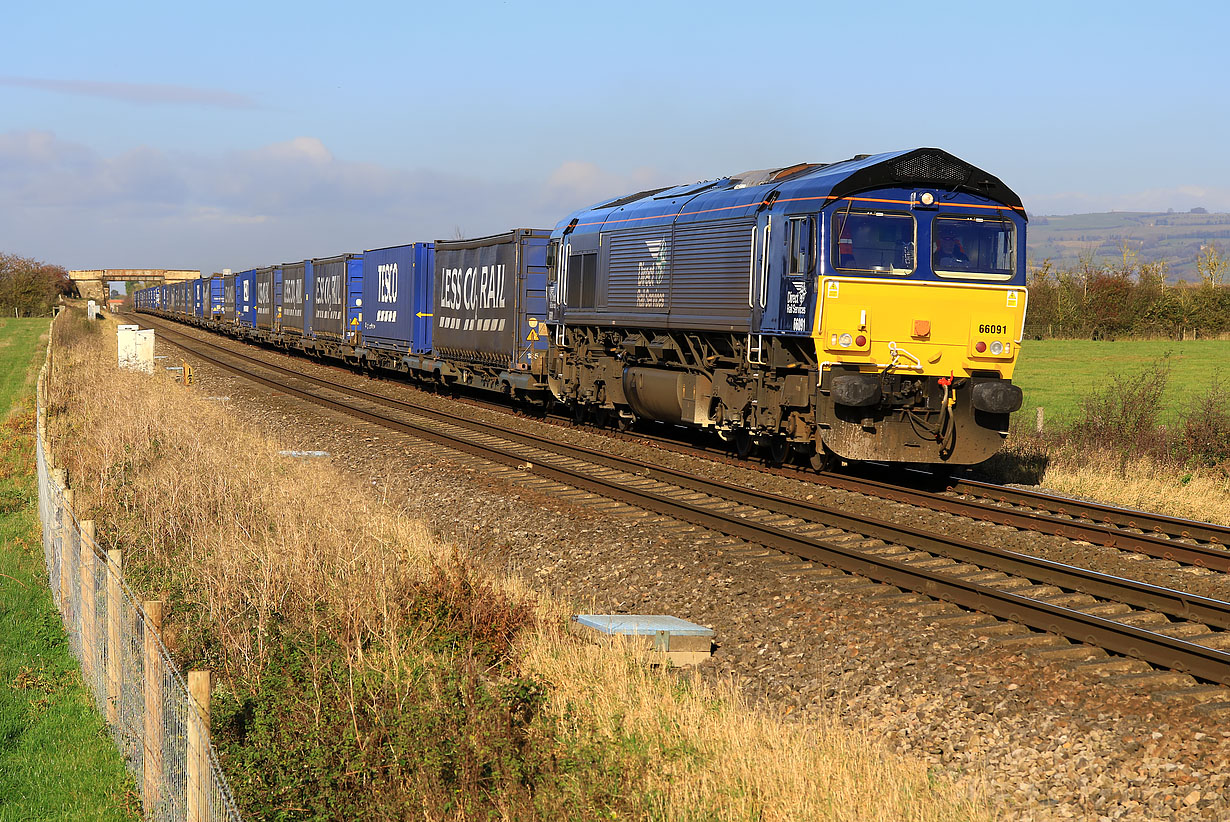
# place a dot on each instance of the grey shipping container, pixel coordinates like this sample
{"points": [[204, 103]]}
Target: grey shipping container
{"points": [[264, 298], [228, 298], [490, 298], [294, 293], [328, 303]]}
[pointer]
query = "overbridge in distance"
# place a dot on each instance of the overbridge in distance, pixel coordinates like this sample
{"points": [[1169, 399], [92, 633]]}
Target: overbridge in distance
{"points": [[92, 283]]}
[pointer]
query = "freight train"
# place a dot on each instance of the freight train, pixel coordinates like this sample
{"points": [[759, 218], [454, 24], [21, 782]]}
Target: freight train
{"points": [[866, 310]]}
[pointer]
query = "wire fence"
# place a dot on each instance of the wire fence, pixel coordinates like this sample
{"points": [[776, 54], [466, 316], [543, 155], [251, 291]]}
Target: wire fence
{"points": [[159, 722]]}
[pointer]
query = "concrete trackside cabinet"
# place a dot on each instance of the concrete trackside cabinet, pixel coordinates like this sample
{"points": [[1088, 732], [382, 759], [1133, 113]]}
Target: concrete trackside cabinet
{"points": [[684, 643], [136, 348]]}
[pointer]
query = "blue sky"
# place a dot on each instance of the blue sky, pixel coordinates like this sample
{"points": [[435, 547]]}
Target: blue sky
{"points": [[230, 134]]}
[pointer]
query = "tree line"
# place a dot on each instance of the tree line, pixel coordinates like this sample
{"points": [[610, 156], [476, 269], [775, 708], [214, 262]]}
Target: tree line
{"points": [[29, 287], [1129, 298]]}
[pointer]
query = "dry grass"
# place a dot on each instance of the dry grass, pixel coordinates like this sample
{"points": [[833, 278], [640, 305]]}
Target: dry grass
{"points": [[342, 630], [1201, 494], [713, 757]]}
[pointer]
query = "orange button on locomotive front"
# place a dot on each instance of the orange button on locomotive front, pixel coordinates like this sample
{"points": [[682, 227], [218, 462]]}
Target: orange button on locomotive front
{"points": [[922, 328]]}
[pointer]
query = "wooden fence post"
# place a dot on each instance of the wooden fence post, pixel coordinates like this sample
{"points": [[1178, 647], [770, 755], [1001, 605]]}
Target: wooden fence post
{"points": [[89, 606], [115, 651], [66, 574], [198, 746], [152, 748]]}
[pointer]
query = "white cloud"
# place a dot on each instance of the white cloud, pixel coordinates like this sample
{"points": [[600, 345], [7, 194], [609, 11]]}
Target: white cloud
{"points": [[69, 204]]}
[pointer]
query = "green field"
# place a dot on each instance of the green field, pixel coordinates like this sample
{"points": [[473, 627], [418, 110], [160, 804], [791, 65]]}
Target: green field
{"points": [[1056, 374], [56, 759]]}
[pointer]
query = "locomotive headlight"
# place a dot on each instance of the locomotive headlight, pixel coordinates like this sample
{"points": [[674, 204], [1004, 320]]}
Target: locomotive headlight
{"points": [[845, 340], [997, 348], [927, 198]]}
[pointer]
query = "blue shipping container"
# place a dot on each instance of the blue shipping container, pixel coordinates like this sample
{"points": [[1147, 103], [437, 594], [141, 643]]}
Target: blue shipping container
{"points": [[215, 297], [397, 285], [245, 298]]}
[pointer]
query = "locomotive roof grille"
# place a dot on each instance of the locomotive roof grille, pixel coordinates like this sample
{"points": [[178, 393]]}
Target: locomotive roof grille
{"points": [[939, 168]]}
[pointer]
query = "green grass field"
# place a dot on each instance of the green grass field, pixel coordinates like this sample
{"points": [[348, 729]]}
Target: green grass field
{"points": [[56, 760], [1056, 374]]}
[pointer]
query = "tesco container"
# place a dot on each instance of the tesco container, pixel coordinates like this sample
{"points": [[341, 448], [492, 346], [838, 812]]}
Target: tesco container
{"points": [[397, 286], [490, 298]]}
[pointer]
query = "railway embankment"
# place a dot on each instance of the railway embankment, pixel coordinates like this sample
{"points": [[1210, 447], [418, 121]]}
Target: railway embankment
{"points": [[364, 667]]}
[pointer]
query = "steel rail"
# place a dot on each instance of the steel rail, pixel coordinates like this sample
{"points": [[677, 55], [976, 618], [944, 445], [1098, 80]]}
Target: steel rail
{"points": [[1099, 512], [1202, 661], [1216, 557]]}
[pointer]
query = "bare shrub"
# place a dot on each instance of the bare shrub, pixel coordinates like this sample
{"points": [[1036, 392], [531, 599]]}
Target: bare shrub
{"points": [[1121, 416], [1203, 439]]}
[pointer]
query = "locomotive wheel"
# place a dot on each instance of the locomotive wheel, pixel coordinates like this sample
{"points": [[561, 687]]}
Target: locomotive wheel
{"points": [[779, 450], [823, 459], [744, 441]]}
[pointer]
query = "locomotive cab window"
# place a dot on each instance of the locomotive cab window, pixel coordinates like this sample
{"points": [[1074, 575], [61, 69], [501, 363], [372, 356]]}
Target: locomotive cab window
{"points": [[875, 242], [973, 248], [801, 235]]}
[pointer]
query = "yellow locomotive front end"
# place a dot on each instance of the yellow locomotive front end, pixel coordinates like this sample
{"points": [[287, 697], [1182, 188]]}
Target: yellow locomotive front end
{"points": [[917, 350]]}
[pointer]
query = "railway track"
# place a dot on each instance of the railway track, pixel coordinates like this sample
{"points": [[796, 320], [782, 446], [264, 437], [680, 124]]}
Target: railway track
{"points": [[1186, 542], [1164, 627]]}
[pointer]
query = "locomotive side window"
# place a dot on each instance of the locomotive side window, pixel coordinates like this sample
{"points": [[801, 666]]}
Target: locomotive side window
{"points": [[800, 237], [973, 248], [582, 280], [878, 242]]}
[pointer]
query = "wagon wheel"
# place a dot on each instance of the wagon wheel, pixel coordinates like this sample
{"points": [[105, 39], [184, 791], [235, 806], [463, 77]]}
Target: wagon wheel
{"points": [[744, 441], [624, 422], [580, 413], [602, 417], [779, 450]]}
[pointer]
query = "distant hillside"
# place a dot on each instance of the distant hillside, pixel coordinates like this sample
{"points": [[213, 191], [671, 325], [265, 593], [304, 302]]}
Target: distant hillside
{"points": [[1175, 238]]}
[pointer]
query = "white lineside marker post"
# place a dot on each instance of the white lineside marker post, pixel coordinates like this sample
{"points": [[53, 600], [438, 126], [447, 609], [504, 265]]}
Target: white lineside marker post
{"points": [[1038, 421], [115, 563], [89, 606], [198, 746], [152, 748]]}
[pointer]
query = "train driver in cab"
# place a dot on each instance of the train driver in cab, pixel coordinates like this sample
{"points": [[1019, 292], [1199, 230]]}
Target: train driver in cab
{"points": [[948, 250]]}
